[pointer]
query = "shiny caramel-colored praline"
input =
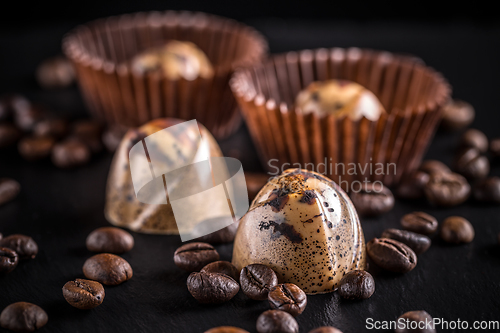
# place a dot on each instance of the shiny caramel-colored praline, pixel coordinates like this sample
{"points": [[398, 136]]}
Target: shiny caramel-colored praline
{"points": [[122, 208], [303, 226]]}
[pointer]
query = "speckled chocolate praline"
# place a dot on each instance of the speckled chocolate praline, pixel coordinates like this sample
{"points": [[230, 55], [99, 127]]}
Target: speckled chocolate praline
{"points": [[304, 227], [122, 206]]}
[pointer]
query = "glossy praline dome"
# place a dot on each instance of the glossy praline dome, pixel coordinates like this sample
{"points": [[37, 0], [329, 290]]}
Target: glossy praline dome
{"points": [[303, 226]]}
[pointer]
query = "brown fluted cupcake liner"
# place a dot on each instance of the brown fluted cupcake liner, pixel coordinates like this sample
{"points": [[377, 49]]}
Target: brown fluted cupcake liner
{"points": [[411, 93], [101, 52]]}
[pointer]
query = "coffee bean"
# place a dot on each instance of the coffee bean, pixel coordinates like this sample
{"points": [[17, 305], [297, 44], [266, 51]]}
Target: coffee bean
{"points": [[417, 242], [456, 230], [433, 166], [419, 222], [391, 255], [287, 297], [357, 284], [222, 267], [192, 257], [274, 321], [9, 189], [471, 164], [24, 246], [9, 135], [35, 148], [224, 235], [89, 132], [23, 317], [325, 329], [474, 138], [70, 153], [83, 294], [256, 280], [488, 190], [254, 182], [109, 269], [8, 260], [457, 115], [212, 288], [113, 136], [447, 189], [55, 72], [27, 115], [56, 128], [494, 147], [226, 329], [373, 199], [415, 321], [412, 186], [110, 240]]}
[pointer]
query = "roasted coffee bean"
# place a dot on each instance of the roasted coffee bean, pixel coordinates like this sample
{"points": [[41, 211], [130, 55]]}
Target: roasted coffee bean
{"points": [[211, 287], [457, 115], [415, 321], [222, 267], [373, 199], [495, 147], [488, 190], [9, 189], [447, 189], [326, 329], [456, 230], [276, 321], [35, 148], [89, 132], [56, 128], [474, 138], [287, 297], [8, 260], [55, 72], [433, 166], [417, 242], [224, 235], [471, 164], [226, 329], [412, 187], [254, 182], [391, 255], [110, 240], [357, 285], [109, 269], [9, 135], [113, 136], [192, 257], [24, 246], [419, 222], [256, 280], [27, 115], [83, 294], [23, 317], [70, 153]]}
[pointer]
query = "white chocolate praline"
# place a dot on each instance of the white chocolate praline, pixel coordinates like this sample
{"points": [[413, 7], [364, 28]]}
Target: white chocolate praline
{"points": [[122, 207], [341, 98], [303, 226], [175, 60]]}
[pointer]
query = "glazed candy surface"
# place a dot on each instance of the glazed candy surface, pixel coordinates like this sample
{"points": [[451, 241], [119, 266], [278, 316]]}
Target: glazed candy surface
{"points": [[341, 98], [303, 226]]}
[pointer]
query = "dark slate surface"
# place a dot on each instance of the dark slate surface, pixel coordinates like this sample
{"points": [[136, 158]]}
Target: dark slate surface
{"points": [[60, 208]]}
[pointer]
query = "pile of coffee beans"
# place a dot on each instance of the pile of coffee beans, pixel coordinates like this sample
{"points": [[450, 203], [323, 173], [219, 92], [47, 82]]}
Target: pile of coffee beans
{"points": [[103, 268], [40, 135]]}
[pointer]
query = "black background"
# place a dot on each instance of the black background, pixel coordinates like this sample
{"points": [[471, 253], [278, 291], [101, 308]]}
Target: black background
{"points": [[59, 208]]}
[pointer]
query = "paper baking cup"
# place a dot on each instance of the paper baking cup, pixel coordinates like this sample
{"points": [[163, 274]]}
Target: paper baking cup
{"points": [[411, 92], [101, 52]]}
